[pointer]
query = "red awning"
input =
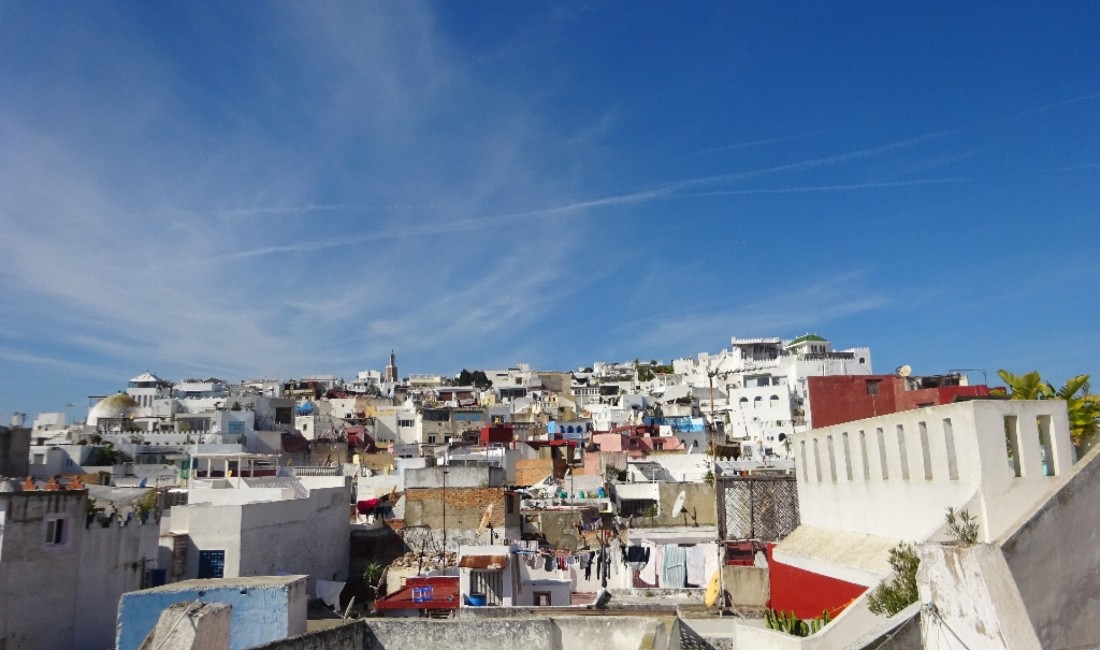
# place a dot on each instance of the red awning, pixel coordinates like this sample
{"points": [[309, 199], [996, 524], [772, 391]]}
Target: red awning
{"points": [[428, 592], [483, 562]]}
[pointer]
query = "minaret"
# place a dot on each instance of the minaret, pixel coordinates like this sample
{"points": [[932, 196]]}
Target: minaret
{"points": [[391, 369]]}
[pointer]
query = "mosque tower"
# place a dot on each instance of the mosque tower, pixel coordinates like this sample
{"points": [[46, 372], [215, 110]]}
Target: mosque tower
{"points": [[391, 368]]}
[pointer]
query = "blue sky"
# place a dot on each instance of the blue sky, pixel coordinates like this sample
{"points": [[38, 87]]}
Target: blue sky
{"points": [[284, 188]]}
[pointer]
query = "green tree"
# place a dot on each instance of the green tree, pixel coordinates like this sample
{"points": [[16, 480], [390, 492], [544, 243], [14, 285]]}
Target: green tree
{"points": [[478, 379], [1082, 407]]}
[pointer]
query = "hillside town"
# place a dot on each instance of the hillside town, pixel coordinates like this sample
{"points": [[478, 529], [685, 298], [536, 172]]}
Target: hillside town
{"points": [[779, 493]]}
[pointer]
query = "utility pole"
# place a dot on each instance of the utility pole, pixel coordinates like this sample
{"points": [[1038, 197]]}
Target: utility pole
{"points": [[444, 553], [718, 505]]}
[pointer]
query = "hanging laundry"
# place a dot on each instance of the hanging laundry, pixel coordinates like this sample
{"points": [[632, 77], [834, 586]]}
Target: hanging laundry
{"points": [[675, 575], [636, 557], [648, 574], [696, 565]]}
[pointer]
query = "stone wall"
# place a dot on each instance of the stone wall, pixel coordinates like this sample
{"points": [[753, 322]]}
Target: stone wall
{"points": [[558, 633]]}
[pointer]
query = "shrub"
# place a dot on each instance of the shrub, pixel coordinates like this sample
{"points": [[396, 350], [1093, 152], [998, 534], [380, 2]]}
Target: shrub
{"points": [[961, 527], [893, 595]]}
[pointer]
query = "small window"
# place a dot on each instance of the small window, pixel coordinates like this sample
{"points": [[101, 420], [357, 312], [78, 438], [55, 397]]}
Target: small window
{"points": [[431, 440], [873, 386], [39, 459], [56, 531], [211, 564]]}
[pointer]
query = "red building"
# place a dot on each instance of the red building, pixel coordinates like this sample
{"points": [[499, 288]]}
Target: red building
{"points": [[498, 433], [836, 399]]}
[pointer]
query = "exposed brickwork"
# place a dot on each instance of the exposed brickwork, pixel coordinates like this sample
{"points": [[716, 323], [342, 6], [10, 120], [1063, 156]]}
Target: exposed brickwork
{"points": [[465, 506], [529, 472]]}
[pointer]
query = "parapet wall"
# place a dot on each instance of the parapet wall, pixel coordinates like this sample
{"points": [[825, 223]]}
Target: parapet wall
{"points": [[537, 633]]}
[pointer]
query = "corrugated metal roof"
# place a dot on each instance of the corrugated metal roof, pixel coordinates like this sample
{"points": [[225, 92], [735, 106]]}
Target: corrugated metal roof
{"points": [[483, 562]]}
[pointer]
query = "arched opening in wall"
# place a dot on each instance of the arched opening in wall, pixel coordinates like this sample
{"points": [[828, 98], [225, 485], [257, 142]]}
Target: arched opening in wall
{"points": [[802, 457], [744, 402], [949, 442], [757, 402], [832, 458], [846, 449], [926, 453], [1012, 444], [903, 453], [880, 436], [863, 456], [817, 461], [773, 401], [1043, 423]]}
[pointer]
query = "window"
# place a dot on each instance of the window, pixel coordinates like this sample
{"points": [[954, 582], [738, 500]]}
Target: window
{"points": [[638, 507], [489, 583], [542, 599], [873, 386], [56, 532], [39, 459], [431, 440], [211, 564], [405, 423]]}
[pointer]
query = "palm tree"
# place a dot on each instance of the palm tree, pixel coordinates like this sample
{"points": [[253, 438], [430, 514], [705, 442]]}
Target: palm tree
{"points": [[1083, 408]]}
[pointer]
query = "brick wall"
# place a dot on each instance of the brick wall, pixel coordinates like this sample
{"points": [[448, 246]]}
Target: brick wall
{"points": [[529, 472], [465, 506]]}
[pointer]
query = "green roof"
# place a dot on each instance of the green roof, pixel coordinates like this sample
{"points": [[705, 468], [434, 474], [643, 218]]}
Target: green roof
{"points": [[804, 338]]}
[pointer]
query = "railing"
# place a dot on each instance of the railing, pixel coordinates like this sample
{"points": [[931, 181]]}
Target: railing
{"points": [[313, 470]]}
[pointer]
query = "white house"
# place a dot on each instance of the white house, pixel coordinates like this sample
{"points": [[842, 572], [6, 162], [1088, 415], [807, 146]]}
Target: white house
{"points": [[60, 578], [237, 525]]}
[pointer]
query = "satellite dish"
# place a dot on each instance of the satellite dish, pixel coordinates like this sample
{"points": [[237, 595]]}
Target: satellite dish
{"points": [[484, 520], [679, 504], [903, 371]]}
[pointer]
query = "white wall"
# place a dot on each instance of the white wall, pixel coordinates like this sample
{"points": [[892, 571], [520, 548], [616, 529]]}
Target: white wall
{"points": [[305, 535], [968, 466], [113, 561], [32, 573]]}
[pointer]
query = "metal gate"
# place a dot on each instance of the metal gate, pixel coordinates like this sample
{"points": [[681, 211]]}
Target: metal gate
{"points": [[757, 507]]}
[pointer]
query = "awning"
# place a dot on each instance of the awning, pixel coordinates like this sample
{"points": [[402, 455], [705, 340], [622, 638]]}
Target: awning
{"points": [[489, 562]]}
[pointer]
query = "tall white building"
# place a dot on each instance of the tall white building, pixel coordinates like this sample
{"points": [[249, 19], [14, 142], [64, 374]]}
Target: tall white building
{"points": [[764, 384]]}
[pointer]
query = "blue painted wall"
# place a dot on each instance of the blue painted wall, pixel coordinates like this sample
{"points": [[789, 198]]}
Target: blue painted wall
{"points": [[261, 612]]}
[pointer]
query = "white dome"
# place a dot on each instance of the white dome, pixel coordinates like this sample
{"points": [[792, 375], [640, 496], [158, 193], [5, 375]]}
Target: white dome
{"points": [[112, 407]]}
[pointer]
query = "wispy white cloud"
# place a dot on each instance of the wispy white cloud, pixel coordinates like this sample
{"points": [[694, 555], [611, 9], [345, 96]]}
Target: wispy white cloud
{"points": [[755, 143], [813, 306], [829, 188]]}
